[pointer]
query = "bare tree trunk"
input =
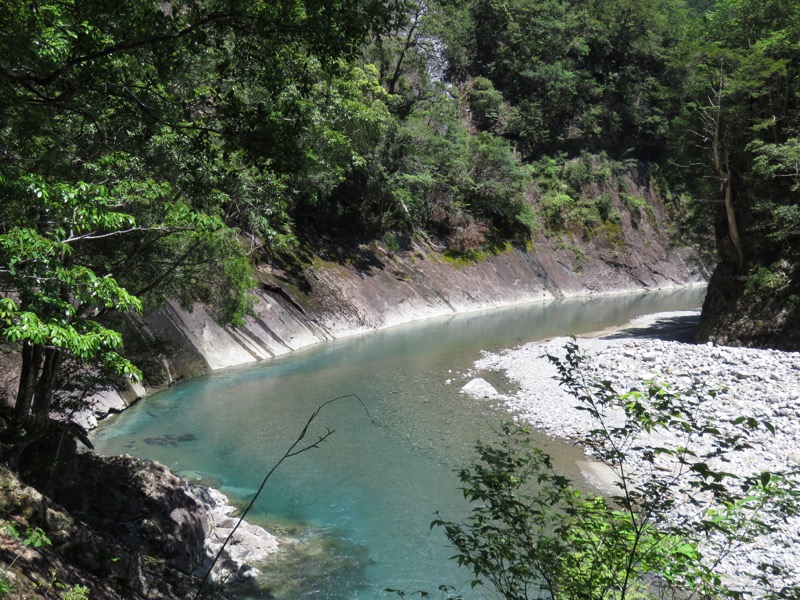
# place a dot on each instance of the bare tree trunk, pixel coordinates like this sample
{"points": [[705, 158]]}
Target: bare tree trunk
{"points": [[723, 171], [733, 229]]}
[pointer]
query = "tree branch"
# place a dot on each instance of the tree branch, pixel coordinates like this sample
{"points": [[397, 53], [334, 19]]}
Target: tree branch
{"points": [[293, 450], [26, 79]]}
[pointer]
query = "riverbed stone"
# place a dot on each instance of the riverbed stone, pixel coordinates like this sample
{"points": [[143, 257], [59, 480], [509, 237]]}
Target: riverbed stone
{"points": [[757, 384], [480, 388]]}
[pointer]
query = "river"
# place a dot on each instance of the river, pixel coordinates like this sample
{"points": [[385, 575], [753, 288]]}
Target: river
{"points": [[356, 511]]}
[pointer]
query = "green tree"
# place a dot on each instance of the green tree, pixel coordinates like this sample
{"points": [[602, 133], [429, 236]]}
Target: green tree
{"points": [[733, 139], [142, 145], [580, 75], [57, 298], [742, 87]]}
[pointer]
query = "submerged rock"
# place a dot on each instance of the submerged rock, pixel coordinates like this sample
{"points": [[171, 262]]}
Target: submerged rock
{"points": [[169, 439], [161, 440]]}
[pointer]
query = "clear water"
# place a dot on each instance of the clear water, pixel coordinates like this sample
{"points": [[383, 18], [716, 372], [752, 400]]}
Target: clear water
{"points": [[357, 510]]}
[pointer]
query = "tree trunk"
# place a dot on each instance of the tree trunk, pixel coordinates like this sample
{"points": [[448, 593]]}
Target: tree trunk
{"points": [[31, 363], [733, 229], [44, 387], [723, 170]]}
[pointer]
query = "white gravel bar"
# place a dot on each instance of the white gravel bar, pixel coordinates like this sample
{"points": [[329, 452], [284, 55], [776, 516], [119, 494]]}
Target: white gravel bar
{"points": [[764, 384]]}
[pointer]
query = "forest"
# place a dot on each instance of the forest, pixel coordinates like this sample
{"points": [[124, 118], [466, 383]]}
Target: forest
{"points": [[154, 150]]}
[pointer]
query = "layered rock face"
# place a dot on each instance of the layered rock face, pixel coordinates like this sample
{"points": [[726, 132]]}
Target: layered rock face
{"points": [[343, 290]]}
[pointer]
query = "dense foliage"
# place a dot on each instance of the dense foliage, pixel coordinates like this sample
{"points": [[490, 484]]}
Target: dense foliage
{"points": [[148, 149], [573, 75], [140, 141], [709, 91]]}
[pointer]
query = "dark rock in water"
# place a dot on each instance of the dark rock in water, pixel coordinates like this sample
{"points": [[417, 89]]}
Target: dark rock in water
{"points": [[169, 440], [161, 440]]}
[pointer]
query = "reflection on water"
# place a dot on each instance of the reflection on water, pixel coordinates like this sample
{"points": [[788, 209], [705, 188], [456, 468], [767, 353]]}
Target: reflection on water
{"points": [[357, 510]]}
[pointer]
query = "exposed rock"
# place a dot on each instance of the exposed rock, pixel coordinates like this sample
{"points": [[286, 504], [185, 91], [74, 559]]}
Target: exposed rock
{"points": [[129, 528], [361, 287], [480, 388], [740, 311], [351, 287], [248, 543]]}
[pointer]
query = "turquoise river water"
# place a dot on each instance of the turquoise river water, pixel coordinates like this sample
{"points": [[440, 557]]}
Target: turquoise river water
{"points": [[356, 512]]}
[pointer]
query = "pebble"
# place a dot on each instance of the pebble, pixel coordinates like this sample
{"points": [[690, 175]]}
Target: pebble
{"points": [[764, 384]]}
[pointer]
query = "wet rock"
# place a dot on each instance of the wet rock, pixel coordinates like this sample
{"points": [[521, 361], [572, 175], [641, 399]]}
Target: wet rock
{"points": [[247, 572], [169, 440], [161, 440], [248, 543]]}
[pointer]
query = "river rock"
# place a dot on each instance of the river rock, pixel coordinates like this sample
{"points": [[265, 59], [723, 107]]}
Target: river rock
{"points": [[246, 573], [152, 514], [480, 388], [718, 384], [244, 543]]}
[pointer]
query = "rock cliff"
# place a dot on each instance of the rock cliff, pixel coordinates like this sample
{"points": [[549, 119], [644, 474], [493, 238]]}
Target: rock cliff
{"points": [[342, 289]]}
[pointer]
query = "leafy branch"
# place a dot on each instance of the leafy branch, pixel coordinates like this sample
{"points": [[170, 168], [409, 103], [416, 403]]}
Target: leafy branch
{"points": [[675, 518]]}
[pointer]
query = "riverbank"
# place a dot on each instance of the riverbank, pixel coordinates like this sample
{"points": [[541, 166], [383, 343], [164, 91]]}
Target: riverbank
{"points": [[124, 527], [199, 330], [348, 491], [343, 289], [763, 384]]}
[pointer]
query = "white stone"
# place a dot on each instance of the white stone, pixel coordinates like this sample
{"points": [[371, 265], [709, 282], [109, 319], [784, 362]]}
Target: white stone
{"points": [[480, 388]]}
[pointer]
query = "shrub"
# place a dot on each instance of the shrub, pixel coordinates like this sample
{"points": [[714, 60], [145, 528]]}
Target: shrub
{"points": [[762, 279], [485, 102], [637, 204], [555, 208]]}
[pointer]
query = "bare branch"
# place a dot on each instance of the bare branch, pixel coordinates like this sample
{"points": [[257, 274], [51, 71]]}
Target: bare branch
{"points": [[98, 236], [293, 450]]}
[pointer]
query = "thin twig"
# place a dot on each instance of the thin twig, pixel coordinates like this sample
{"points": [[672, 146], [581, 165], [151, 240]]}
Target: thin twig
{"points": [[293, 450]]}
